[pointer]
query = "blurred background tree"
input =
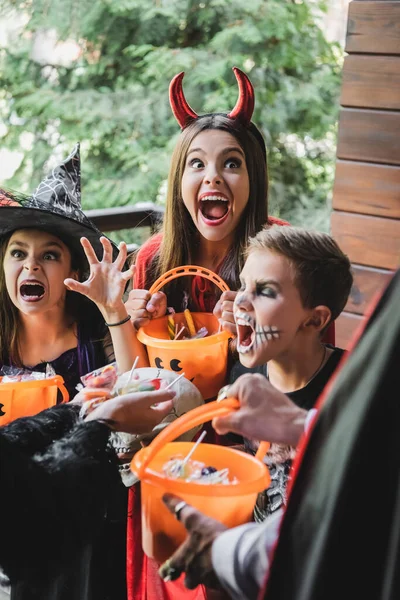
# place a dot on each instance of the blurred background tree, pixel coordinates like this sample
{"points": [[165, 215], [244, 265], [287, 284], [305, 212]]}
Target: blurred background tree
{"points": [[111, 94]]}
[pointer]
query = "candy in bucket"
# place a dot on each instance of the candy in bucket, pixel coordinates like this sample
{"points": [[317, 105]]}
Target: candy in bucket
{"points": [[24, 393], [143, 380]]}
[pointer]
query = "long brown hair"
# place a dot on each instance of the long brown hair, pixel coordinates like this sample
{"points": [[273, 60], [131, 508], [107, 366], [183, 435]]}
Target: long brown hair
{"points": [[180, 235], [8, 316]]}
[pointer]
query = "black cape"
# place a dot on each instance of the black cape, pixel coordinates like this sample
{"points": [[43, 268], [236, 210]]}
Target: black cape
{"points": [[340, 537], [55, 480]]}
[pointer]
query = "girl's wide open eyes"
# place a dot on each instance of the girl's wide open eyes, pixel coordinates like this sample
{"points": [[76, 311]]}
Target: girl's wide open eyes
{"points": [[233, 163], [17, 253], [196, 163]]}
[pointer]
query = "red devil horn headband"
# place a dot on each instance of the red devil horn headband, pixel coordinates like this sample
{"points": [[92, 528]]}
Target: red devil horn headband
{"points": [[184, 114]]}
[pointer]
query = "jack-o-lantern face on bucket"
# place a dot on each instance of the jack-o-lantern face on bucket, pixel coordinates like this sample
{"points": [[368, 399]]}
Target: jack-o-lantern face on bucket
{"points": [[174, 365], [205, 369], [204, 360]]}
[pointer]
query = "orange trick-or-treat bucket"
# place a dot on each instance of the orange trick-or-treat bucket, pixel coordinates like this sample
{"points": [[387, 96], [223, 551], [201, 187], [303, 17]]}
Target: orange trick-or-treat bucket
{"points": [[204, 361], [231, 503], [27, 398]]}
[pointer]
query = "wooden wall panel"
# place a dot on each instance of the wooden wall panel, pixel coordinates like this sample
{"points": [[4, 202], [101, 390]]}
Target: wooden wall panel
{"points": [[368, 135], [371, 81], [345, 328], [367, 283], [367, 188], [371, 241], [374, 27], [366, 194]]}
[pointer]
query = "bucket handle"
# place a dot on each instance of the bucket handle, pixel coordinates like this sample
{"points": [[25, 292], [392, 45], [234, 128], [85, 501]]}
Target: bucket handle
{"points": [[191, 419], [188, 270], [64, 392]]}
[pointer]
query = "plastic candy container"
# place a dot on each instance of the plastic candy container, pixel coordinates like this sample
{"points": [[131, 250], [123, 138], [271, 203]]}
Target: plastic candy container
{"points": [[105, 377]]}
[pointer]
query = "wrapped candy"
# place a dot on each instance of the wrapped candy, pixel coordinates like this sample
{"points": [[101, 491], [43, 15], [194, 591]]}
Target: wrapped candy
{"points": [[16, 374], [184, 332], [178, 467], [105, 377]]}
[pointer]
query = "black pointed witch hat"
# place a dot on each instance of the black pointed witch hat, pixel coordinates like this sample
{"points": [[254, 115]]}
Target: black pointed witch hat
{"points": [[54, 206]]}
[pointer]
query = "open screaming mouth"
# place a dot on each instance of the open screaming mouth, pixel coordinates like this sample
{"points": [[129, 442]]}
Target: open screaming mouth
{"points": [[214, 208], [249, 337], [31, 291]]}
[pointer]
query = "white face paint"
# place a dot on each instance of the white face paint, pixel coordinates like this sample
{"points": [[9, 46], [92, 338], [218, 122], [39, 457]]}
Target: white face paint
{"points": [[268, 309], [252, 334]]}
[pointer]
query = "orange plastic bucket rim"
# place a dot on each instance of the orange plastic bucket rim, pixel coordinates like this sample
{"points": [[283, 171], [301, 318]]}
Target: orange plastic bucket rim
{"points": [[56, 380], [141, 462], [170, 275], [28, 398], [185, 270], [178, 487], [154, 342]]}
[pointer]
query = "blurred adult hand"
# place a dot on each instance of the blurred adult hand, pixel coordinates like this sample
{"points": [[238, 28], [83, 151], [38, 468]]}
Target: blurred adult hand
{"points": [[265, 413], [193, 557], [135, 413]]}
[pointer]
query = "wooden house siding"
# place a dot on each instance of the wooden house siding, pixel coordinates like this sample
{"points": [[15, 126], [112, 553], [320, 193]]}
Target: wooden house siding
{"points": [[366, 195]]}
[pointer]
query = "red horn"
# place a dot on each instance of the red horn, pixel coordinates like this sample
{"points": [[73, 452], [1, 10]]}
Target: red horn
{"points": [[244, 106], [181, 109]]}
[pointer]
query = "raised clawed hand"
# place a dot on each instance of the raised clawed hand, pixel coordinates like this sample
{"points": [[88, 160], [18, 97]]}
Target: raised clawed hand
{"points": [[106, 283]]}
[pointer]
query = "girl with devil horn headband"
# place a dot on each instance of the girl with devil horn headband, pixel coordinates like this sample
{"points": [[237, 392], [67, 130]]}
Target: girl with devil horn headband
{"points": [[217, 199]]}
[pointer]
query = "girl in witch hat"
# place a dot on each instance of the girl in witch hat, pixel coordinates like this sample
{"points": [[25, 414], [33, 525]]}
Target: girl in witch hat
{"points": [[47, 248]]}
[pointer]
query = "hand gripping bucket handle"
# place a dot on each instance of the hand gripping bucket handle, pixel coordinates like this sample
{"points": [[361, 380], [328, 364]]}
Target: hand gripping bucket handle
{"points": [[191, 419], [188, 270]]}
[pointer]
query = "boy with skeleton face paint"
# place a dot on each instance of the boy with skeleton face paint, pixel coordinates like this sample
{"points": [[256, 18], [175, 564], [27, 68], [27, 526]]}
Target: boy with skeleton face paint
{"points": [[293, 285]]}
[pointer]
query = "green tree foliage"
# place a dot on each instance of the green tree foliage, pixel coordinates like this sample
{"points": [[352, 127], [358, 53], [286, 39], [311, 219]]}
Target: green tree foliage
{"points": [[114, 96]]}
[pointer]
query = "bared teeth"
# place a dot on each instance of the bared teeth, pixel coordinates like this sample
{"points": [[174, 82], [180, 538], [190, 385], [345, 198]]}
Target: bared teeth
{"points": [[214, 199], [214, 207], [245, 329]]}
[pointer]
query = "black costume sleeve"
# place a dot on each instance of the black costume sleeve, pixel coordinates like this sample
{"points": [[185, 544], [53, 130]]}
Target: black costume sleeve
{"points": [[34, 434], [340, 537], [51, 503]]}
